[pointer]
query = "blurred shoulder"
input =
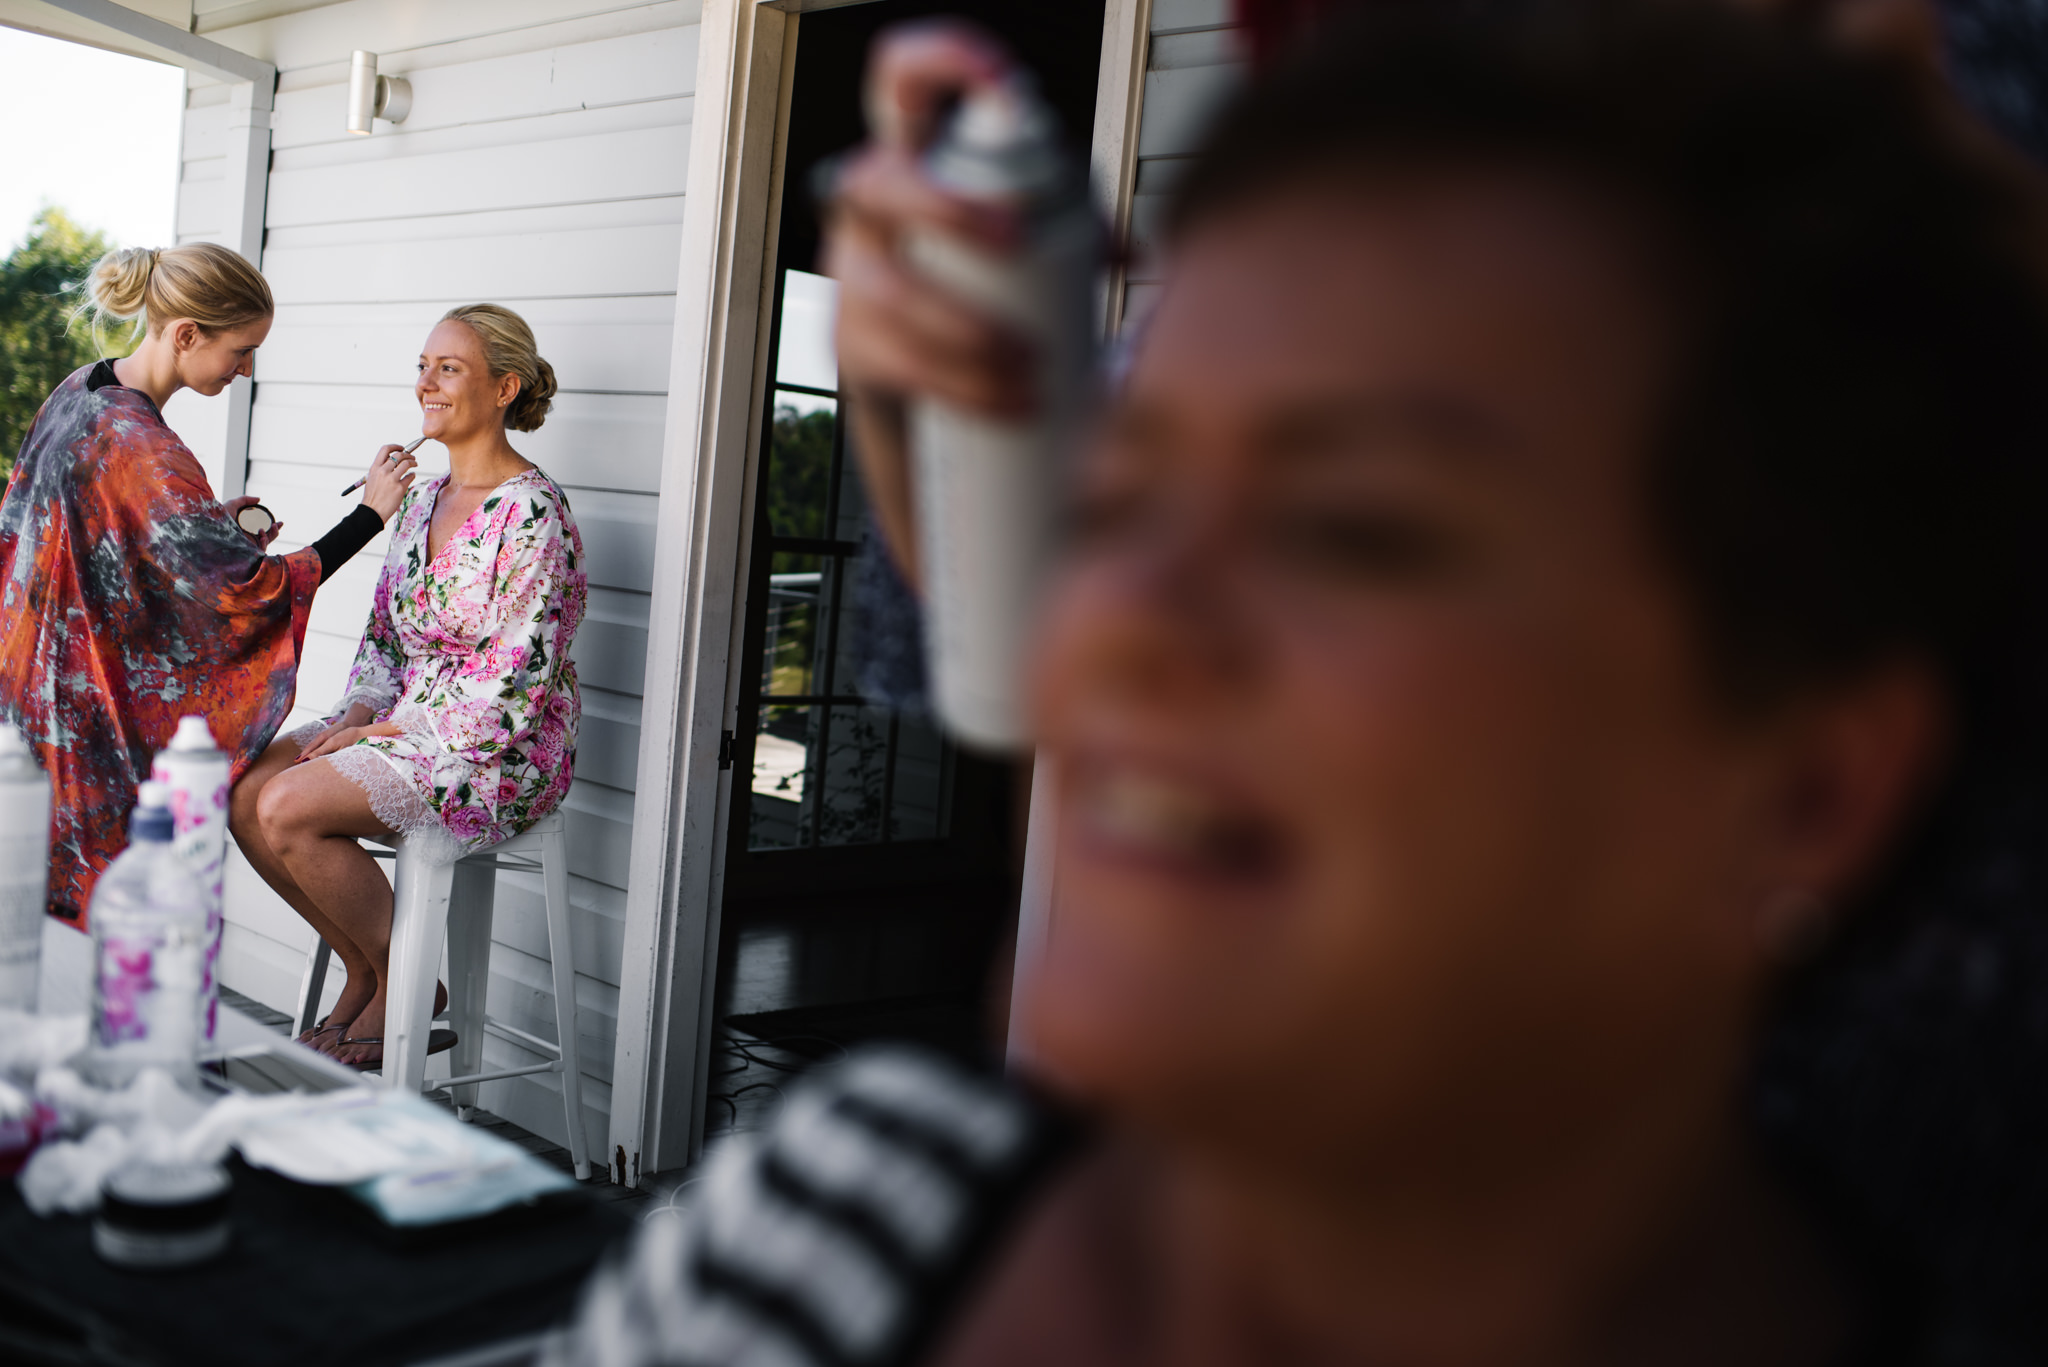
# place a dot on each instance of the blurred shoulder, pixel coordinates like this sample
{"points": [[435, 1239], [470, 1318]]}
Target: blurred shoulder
{"points": [[844, 1233]]}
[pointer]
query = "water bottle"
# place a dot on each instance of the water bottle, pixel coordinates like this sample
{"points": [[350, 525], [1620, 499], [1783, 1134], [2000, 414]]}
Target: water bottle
{"points": [[196, 771], [149, 950], [987, 489], [24, 868]]}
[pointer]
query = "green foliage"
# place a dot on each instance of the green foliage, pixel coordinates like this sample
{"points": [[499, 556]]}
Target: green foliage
{"points": [[800, 471], [42, 339]]}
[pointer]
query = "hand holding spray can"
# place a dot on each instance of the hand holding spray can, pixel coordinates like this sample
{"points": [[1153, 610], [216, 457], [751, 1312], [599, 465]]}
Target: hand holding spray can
{"points": [[24, 868], [196, 772], [987, 488]]}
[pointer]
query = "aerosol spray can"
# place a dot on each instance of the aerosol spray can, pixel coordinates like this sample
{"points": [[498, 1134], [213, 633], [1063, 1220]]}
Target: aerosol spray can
{"points": [[24, 868], [987, 488], [149, 948], [196, 772]]}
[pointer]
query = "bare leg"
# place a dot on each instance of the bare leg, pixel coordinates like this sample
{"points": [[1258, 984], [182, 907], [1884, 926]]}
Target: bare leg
{"points": [[310, 818], [257, 849]]}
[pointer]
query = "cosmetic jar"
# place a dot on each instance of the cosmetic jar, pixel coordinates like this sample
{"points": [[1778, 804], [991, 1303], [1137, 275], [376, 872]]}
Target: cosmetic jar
{"points": [[157, 1216]]}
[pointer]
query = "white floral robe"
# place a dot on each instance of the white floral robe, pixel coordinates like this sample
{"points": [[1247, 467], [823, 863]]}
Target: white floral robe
{"points": [[468, 651]]}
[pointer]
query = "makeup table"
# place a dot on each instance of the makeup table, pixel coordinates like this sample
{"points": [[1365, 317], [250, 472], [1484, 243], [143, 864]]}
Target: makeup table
{"points": [[311, 1277]]}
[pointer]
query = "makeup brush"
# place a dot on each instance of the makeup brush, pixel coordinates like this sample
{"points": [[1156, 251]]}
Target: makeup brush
{"points": [[406, 451]]}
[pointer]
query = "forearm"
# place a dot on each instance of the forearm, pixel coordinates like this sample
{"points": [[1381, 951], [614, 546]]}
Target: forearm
{"points": [[347, 537]]}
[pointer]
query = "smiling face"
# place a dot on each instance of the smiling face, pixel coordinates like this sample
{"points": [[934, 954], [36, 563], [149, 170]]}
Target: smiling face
{"points": [[1394, 796], [208, 362], [459, 397]]}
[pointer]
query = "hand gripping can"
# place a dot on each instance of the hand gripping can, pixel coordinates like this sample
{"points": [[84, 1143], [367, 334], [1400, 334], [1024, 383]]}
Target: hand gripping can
{"points": [[24, 868], [196, 771], [987, 488]]}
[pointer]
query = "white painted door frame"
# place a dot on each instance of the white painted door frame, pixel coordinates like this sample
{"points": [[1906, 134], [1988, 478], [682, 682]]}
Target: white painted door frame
{"points": [[708, 452], [252, 90], [718, 384]]}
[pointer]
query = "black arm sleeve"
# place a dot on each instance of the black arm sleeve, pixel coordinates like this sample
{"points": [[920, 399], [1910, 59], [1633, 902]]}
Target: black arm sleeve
{"points": [[347, 537]]}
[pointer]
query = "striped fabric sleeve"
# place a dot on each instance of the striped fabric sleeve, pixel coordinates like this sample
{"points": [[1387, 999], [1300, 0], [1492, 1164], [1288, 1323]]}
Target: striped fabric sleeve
{"points": [[842, 1236]]}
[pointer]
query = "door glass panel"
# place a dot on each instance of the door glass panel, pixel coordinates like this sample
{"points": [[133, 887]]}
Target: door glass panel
{"points": [[804, 354], [800, 465], [789, 647], [781, 767], [830, 767]]}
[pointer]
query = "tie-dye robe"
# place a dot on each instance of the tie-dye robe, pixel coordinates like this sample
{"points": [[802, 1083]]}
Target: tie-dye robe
{"points": [[128, 599]]}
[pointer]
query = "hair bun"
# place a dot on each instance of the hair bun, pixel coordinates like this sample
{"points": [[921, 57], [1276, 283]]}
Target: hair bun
{"points": [[203, 281], [119, 283], [509, 349], [535, 400]]}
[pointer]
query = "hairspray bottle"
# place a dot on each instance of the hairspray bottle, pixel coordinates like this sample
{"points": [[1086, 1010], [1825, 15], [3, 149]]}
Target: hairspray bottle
{"points": [[149, 948], [24, 868], [196, 772], [987, 489]]}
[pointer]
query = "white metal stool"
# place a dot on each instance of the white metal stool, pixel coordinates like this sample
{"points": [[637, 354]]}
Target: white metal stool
{"points": [[456, 900]]}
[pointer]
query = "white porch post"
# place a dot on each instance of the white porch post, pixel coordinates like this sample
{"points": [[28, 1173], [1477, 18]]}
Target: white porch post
{"points": [[671, 935], [247, 174], [243, 194]]}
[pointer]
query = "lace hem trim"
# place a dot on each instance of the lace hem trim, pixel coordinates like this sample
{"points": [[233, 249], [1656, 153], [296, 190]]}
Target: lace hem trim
{"points": [[371, 698], [396, 803], [303, 736]]}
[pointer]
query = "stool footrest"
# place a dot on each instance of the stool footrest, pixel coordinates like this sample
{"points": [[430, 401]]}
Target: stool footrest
{"points": [[518, 1036], [440, 1084]]}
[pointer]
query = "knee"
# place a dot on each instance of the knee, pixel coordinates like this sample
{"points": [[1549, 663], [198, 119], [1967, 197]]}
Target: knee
{"points": [[286, 816], [243, 800]]}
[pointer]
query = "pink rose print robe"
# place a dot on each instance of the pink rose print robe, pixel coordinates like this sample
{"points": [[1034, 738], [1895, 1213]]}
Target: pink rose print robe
{"points": [[468, 651]]}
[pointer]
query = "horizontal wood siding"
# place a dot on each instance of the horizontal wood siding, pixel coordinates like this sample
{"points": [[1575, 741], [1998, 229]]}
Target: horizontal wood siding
{"points": [[1192, 65], [542, 167]]}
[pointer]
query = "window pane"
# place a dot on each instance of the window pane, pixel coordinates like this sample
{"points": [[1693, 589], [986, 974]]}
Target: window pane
{"points": [[851, 524], [794, 633], [776, 809], [804, 356], [854, 776], [922, 793], [800, 464]]}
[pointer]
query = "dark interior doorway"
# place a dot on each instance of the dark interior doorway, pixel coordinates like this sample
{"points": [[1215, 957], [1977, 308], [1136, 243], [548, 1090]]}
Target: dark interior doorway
{"points": [[871, 868]]}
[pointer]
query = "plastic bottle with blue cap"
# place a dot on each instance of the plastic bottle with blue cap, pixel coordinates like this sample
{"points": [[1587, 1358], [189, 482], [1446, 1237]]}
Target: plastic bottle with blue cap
{"points": [[149, 951]]}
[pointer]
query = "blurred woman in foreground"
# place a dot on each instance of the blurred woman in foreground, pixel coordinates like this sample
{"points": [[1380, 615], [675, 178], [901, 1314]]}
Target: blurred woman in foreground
{"points": [[1563, 570]]}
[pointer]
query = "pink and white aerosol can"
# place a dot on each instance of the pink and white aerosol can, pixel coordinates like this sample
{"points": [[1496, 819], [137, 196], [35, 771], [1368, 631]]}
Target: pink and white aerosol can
{"points": [[196, 772], [988, 488]]}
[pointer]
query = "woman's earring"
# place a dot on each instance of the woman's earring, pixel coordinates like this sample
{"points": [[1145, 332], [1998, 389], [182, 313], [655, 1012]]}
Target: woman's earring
{"points": [[1791, 922]]}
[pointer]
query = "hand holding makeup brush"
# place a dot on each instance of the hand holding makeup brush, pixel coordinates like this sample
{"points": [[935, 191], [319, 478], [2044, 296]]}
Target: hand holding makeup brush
{"points": [[391, 474]]}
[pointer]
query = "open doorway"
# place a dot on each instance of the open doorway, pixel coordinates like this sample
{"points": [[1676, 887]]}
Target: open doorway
{"points": [[872, 867]]}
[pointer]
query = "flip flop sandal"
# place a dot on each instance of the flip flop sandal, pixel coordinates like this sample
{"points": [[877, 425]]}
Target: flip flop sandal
{"points": [[319, 1029], [438, 1042]]}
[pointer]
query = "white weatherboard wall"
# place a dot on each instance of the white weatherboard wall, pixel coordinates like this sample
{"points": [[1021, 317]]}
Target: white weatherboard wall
{"points": [[1193, 64], [542, 167]]}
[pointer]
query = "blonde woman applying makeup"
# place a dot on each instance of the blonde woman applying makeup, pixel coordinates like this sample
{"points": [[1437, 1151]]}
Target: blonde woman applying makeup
{"points": [[132, 596]]}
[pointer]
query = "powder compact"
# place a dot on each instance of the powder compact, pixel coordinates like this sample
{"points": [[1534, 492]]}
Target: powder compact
{"points": [[156, 1216], [255, 519]]}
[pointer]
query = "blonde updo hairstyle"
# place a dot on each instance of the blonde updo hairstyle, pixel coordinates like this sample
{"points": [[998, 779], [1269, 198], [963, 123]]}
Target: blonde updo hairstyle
{"points": [[216, 288], [509, 349]]}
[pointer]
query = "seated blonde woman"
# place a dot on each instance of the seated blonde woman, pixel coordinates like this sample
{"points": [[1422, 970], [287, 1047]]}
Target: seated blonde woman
{"points": [[459, 726]]}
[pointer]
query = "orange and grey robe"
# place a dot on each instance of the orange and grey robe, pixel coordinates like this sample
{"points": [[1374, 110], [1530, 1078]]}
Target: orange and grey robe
{"points": [[129, 599]]}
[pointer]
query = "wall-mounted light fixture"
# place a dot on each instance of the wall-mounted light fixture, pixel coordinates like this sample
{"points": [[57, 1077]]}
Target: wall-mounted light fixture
{"points": [[371, 96]]}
